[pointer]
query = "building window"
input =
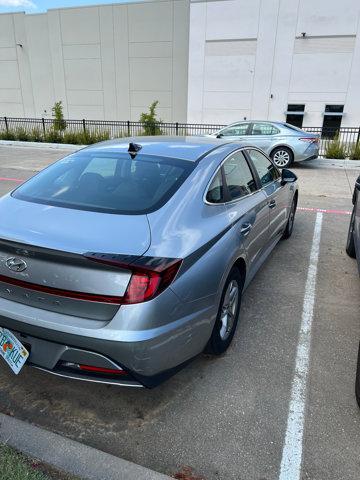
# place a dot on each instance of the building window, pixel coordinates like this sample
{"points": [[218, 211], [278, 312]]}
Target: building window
{"points": [[295, 115], [332, 120]]}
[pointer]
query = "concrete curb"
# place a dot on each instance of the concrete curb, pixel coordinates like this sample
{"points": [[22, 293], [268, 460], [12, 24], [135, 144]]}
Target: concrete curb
{"points": [[333, 162], [70, 456], [58, 146]]}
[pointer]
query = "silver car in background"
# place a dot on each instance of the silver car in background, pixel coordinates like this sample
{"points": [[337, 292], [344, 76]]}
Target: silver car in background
{"points": [[123, 261], [283, 142]]}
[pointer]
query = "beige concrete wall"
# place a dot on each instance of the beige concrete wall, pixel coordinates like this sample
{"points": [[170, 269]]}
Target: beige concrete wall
{"points": [[248, 59], [103, 62]]}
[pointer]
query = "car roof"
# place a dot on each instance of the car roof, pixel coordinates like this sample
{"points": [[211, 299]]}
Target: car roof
{"points": [[274, 122], [184, 148]]}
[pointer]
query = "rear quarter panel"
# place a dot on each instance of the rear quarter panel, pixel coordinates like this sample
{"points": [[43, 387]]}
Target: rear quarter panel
{"points": [[188, 228]]}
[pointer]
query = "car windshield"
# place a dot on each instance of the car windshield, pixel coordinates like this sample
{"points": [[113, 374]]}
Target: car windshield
{"points": [[107, 182]]}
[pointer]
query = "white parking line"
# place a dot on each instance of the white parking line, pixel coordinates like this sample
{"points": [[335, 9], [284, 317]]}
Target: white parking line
{"points": [[292, 452]]}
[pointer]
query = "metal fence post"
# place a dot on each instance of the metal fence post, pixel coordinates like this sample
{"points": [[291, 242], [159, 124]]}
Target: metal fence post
{"points": [[84, 125], [128, 128], [358, 136], [43, 125], [6, 125]]}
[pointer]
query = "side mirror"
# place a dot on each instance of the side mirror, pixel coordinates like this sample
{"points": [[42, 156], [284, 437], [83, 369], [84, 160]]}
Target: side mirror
{"points": [[287, 176], [219, 135]]}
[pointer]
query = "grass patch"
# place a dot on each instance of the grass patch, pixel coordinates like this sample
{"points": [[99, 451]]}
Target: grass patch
{"points": [[16, 466]]}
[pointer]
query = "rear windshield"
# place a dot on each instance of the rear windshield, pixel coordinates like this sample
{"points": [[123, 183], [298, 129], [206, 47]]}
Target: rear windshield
{"points": [[292, 127], [107, 182]]}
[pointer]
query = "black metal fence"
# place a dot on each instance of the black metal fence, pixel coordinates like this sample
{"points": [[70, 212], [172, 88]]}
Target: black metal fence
{"points": [[115, 128], [348, 136]]}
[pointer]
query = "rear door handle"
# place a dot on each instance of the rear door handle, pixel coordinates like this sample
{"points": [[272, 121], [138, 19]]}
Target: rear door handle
{"points": [[272, 204], [245, 229]]}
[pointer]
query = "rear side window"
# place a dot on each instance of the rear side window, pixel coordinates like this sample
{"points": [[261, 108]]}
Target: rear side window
{"points": [[238, 176], [215, 193], [265, 169], [107, 182]]}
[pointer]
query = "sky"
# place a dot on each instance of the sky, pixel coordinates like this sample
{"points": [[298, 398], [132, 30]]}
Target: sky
{"points": [[38, 6]]}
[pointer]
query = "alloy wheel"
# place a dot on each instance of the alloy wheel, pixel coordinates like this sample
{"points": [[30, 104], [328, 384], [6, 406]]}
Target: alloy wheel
{"points": [[281, 158], [229, 309]]}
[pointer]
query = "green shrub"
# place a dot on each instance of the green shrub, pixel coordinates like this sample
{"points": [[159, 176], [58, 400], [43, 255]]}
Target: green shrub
{"points": [[88, 137], [7, 135], [21, 134], [354, 153], [53, 136], [150, 122], [72, 138], [59, 122], [35, 135], [102, 136], [335, 149]]}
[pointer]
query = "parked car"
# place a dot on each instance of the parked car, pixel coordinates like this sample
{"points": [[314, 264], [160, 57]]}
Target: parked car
{"points": [[283, 142], [122, 262], [353, 238], [357, 379], [353, 250]]}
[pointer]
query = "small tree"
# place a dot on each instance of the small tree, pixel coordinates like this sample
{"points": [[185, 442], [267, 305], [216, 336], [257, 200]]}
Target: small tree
{"points": [[150, 123], [59, 122]]}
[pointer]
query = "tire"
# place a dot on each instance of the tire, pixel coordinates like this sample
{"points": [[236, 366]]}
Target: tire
{"points": [[350, 243], [290, 223], [226, 322], [357, 381], [283, 157]]}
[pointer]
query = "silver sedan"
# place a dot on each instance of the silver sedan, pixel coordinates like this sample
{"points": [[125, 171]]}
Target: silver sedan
{"points": [[122, 262], [284, 143]]}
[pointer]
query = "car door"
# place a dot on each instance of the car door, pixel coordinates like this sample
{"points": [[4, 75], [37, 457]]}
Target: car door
{"points": [[263, 135], [278, 195], [246, 207], [237, 131]]}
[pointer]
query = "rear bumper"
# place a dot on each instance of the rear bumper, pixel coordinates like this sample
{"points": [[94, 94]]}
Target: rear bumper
{"points": [[309, 153], [313, 157], [148, 357]]}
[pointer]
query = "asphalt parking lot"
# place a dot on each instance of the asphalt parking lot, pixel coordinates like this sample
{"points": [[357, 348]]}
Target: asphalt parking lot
{"points": [[227, 417]]}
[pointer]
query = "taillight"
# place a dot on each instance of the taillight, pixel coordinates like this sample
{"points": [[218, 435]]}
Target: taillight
{"points": [[309, 139], [149, 275]]}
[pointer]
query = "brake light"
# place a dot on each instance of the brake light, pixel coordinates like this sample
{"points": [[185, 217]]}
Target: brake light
{"points": [[146, 284], [149, 275], [309, 139]]}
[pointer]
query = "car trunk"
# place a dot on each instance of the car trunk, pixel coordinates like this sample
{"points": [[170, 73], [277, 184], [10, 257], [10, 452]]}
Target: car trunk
{"points": [[43, 262]]}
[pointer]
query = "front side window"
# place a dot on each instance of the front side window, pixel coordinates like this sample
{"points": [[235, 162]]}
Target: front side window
{"points": [[235, 130], [266, 170], [108, 182], [238, 176], [264, 129]]}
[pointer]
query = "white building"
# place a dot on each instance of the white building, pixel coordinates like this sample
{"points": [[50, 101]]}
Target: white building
{"points": [[205, 61]]}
